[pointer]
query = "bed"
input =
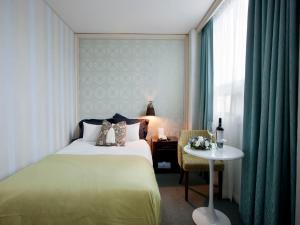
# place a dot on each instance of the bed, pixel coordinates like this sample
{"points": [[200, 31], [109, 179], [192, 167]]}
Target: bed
{"points": [[84, 184]]}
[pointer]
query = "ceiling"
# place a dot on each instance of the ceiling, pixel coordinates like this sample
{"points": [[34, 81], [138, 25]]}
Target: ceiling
{"points": [[131, 16]]}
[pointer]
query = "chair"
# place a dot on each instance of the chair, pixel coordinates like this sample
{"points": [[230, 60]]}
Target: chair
{"points": [[189, 163]]}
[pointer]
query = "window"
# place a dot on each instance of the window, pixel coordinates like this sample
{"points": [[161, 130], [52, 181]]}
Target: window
{"points": [[230, 31]]}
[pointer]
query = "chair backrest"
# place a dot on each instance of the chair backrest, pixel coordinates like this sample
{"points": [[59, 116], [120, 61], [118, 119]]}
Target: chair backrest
{"points": [[185, 136]]}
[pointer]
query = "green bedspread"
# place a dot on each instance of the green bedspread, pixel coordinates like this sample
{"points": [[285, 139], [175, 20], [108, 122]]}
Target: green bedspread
{"points": [[82, 190]]}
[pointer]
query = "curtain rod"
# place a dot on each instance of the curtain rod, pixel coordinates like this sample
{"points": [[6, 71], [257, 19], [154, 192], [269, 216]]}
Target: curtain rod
{"points": [[209, 14]]}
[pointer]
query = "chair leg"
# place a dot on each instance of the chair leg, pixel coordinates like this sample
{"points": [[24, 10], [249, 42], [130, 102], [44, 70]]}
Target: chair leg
{"points": [[186, 185], [181, 175], [220, 184]]}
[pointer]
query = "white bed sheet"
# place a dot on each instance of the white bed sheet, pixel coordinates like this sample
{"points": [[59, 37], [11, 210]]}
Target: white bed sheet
{"points": [[80, 147]]}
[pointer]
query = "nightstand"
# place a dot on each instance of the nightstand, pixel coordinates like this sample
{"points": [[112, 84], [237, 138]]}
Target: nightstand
{"points": [[164, 155]]}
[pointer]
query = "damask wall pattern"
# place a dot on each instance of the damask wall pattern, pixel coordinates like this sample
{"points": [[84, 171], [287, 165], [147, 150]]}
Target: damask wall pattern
{"points": [[117, 75]]}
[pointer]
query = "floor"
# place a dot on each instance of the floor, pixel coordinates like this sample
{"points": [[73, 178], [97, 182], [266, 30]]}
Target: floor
{"points": [[176, 211]]}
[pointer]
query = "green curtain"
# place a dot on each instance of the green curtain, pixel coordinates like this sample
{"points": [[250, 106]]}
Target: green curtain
{"points": [[206, 76], [270, 113]]}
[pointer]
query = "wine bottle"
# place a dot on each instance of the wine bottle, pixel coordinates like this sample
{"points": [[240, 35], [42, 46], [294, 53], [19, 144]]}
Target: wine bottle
{"points": [[220, 134]]}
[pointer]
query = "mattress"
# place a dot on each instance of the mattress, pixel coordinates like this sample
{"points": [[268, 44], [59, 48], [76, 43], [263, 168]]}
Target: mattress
{"points": [[84, 185]]}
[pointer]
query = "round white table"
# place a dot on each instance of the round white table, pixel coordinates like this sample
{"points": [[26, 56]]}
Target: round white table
{"points": [[209, 215]]}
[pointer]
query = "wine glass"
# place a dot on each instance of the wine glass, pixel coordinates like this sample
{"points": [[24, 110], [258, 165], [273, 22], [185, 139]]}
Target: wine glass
{"points": [[211, 132]]}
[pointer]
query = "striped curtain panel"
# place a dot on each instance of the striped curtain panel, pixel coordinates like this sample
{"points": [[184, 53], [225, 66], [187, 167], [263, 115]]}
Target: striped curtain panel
{"points": [[37, 83]]}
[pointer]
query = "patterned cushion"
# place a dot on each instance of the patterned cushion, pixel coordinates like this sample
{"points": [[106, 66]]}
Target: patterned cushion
{"points": [[119, 136], [120, 132]]}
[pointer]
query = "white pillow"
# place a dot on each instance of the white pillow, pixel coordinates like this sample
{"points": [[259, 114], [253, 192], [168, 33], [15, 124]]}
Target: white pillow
{"points": [[111, 136], [91, 132], [132, 132]]}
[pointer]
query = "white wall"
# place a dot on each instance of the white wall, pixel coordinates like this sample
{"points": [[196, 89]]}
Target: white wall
{"points": [[120, 73], [194, 80], [37, 83]]}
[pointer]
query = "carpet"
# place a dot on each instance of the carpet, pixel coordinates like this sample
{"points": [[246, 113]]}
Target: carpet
{"points": [[176, 211]]}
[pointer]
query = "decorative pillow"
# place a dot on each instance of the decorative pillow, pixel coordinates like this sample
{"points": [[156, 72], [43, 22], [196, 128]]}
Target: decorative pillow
{"points": [[120, 132], [132, 132], [143, 130], [112, 134], [103, 133], [91, 121], [91, 132]]}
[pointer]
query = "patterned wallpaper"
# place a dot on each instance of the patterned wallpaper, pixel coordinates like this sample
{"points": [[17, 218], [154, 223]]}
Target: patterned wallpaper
{"points": [[122, 75]]}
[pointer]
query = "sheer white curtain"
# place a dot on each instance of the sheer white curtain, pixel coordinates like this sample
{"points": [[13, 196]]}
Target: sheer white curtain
{"points": [[230, 27], [37, 83]]}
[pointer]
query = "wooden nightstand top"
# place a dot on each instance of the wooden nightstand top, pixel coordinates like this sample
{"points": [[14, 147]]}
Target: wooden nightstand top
{"points": [[170, 139]]}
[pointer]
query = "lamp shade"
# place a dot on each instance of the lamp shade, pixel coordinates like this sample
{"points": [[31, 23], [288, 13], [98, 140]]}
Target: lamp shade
{"points": [[150, 109]]}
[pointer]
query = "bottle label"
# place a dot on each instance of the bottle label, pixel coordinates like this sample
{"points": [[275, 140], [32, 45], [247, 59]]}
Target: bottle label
{"points": [[220, 135]]}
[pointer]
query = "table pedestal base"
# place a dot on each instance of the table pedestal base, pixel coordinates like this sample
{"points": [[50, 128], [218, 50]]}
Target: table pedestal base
{"points": [[203, 216]]}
